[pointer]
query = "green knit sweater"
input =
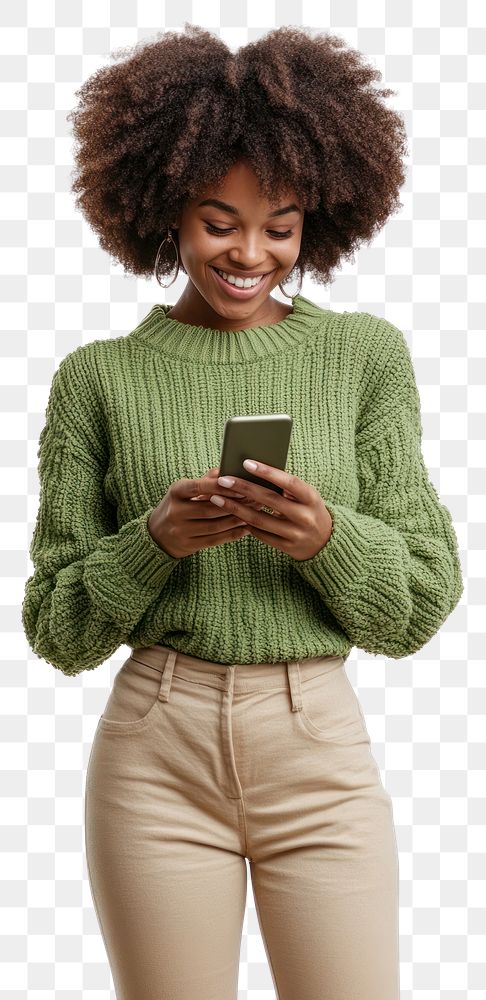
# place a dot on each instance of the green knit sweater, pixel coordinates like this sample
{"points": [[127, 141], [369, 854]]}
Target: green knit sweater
{"points": [[128, 416]]}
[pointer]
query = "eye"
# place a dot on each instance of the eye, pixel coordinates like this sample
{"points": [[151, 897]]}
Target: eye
{"points": [[224, 232]]}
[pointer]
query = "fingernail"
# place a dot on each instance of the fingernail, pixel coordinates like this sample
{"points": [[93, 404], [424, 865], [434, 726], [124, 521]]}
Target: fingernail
{"points": [[226, 481], [249, 465], [217, 500]]}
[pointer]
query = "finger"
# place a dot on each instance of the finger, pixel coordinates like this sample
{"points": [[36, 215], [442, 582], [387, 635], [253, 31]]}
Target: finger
{"points": [[230, 493], [205, 496], [256, 494], [210, 478], [190, 488], [286, 480], [262, 520], [207, 485]]}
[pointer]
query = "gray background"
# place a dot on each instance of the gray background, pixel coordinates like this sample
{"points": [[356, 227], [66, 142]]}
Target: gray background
{"points": [[425, 273]]}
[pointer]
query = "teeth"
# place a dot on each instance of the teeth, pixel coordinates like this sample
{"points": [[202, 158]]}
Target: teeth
{"points": [[239, 282]]}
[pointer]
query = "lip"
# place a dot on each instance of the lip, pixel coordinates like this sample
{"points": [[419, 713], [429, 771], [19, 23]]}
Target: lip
{"points": [[240, 293]]}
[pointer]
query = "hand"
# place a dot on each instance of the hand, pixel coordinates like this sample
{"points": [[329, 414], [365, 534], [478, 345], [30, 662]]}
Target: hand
{"points": [[301, 524], [181, 528]]}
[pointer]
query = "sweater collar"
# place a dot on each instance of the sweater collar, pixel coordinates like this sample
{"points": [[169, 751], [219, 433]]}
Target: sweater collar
{"points": [[207, 345]]}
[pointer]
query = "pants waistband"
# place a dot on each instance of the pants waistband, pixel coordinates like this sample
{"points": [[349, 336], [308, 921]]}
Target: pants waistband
{"points": [[234, 677]]}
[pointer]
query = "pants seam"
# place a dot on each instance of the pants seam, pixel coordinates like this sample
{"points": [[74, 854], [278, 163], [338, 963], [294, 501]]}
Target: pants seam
{"points": [[267, 950], [91, 882]]}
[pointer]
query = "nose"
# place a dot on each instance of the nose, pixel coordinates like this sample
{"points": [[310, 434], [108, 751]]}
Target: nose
{"points": [[249, 255]]}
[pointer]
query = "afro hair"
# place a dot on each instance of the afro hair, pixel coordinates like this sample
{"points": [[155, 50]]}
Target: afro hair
{"points": [[175, 113]]}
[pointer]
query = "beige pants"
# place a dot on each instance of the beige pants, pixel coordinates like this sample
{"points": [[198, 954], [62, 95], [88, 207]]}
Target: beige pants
{"points": [[196, 766]]}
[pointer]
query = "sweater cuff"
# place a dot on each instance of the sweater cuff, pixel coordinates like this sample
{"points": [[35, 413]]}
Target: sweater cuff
{"points": [[341, 563], [140, 556]]}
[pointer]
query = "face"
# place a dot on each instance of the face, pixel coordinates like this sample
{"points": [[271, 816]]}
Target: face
{"points": [[252, 240]]}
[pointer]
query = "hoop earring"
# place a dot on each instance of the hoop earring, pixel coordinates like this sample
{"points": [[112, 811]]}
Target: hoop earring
{"points": [[168, 239], [294, 293]]}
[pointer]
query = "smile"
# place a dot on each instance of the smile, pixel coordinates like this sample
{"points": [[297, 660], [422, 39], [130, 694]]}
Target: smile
{"points": [[237, 290]]}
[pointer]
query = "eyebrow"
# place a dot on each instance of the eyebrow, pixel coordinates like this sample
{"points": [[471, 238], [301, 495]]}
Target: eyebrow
{"points": [[234, 211]]}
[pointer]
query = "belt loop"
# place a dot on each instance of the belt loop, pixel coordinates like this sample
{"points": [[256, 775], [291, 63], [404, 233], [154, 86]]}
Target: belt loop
{"points": [[165, 683], [293, 671], [229, 680]]}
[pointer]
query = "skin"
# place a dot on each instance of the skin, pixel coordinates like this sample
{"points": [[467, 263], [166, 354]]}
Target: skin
{"points": [[300, 523], [249, 245]]}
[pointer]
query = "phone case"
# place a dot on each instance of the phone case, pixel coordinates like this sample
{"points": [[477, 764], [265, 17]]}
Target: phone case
{"points": [[264, 437]]}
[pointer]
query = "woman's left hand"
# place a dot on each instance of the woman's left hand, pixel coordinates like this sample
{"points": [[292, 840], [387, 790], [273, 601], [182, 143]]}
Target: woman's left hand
{"points": [[300, 524]]}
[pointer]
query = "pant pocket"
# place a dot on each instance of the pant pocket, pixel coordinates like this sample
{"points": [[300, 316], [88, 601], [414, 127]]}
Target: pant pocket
{"points": [[133, 700], [331, 711]]}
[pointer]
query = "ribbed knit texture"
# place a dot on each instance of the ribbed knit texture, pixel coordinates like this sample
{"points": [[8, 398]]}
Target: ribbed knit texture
{"points": [[129, 415]]}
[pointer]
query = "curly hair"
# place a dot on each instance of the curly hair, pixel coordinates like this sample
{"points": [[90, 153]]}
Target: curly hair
{"points": [[175, 113]]}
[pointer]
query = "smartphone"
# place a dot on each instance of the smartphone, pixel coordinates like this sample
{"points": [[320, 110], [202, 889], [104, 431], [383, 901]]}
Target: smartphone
{"points": [[264, 437]]}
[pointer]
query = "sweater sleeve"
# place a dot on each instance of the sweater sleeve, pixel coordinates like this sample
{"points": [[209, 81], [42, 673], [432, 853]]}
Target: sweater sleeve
{"points": [[390, 571], [91, 582]]}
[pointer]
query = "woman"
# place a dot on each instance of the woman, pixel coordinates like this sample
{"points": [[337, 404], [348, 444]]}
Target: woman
{"points": [[232, 731]]}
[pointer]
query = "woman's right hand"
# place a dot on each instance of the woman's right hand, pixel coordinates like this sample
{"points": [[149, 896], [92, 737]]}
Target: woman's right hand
{"points": [[182, 527]]}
